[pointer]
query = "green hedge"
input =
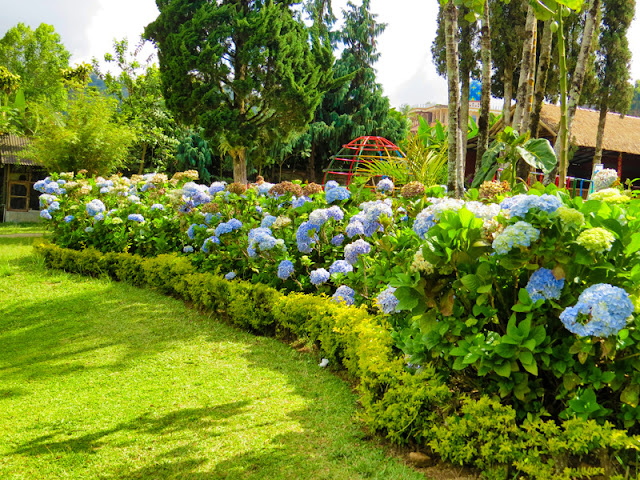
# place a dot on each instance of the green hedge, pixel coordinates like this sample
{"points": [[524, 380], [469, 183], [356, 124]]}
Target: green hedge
{"points": [[407, 405]]}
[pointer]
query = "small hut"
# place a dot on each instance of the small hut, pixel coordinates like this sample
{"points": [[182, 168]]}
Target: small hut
{"points": [[19, 202], [621, 143]]}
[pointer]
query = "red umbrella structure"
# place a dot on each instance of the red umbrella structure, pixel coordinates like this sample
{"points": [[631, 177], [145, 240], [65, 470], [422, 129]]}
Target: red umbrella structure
{"points": [[344, 166]]}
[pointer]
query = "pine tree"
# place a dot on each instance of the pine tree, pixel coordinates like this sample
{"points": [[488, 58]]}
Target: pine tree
{"points": [[246, 70], [615, 92]]}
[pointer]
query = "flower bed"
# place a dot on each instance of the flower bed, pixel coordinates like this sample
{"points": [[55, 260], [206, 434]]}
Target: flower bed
{"points": [[515, 311]]}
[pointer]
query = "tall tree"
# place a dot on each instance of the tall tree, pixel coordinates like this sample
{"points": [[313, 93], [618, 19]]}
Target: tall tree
{"points": [[613, 64], [138, 87], [37, 56], [507, 32], [241, 68], [86, 136], [527, 66], [356, 105], [485, 96]]}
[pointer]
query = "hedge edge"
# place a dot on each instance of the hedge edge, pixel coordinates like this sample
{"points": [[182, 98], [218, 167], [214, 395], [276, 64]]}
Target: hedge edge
{"points": [[406, 405]]}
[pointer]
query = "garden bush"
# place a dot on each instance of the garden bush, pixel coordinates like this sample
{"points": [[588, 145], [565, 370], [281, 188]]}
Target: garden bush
{"points": [[521, 309]]}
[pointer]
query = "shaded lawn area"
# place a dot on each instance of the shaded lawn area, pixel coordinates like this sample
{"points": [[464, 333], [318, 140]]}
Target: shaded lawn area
{"points": [[13, 228], [101, 380]]}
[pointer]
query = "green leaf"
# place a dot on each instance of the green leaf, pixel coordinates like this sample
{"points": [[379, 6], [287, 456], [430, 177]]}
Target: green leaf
{"points": [[532, 368], [505, 350], [408, 298], [538, 153], [630, 395], [503, 370], [472, 282], [470, 358], [525, 357]]}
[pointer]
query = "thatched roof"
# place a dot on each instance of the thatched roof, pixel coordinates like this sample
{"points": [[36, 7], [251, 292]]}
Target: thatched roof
{"points": [[10, 148], [620, 134]]}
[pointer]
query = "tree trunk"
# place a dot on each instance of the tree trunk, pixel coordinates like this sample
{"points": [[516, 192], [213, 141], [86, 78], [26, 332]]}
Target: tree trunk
{"points": [[541, 78], [602, 121], [508, 94], [464, 125], [578, 78], [528, 49], [311, 166], [240, 166], [530, 85], [453, 75], [563, 162], [144, 152], [581, 65], [485, 98]]}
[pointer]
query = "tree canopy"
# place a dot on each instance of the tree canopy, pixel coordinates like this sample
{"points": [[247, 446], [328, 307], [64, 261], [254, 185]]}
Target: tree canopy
{"points": [[242, 69], [37, 56]]}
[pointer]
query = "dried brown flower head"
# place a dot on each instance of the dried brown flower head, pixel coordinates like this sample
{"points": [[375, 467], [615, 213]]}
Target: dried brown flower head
{"points": [[412, 189], [283, 188]]}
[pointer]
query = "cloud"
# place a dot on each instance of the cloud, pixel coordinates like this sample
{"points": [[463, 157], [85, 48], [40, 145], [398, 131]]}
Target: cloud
{"points": [[64, 15]]}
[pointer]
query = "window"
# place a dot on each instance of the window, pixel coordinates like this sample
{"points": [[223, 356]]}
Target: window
{"points": [[21, 195]]}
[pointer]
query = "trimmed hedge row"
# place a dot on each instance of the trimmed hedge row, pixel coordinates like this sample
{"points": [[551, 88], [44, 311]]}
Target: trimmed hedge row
{"points": [[407, 404]]}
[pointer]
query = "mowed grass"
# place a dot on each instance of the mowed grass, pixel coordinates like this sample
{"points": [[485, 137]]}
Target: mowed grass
{"points": [[14, 228], [100, 380]]}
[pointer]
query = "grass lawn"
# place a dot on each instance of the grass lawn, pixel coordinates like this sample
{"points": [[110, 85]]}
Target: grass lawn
{"points": [[13, 228], [101, 380]]}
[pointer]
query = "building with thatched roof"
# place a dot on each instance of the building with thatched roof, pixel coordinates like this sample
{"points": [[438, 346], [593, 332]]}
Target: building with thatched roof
{"points": [[19, 202], [621, 143]]}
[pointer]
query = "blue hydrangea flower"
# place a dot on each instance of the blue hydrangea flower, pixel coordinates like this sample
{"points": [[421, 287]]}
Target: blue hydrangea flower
{"points": [[353, 250], [268, 221], [187, 249], [105, 190], [318, 217], [285, 269], [136, 217], [604, 308], [330, 185], [99, 217], [520, 205], [94, 207], [337, 193], [39, 186], [319, 276], [386, 301], [189, 189], [212, 240], [191, 232], [200, 198], [223, 228], [298, 202], [337, 240], [230, 275], [187, 205], [53, 206], [385, 186], [544, 286], [45, 214], [263, 239], [88, 229], [264, 188], [53, 188], [354, 228], [46, 199], [521, 234], [157, 206], [133, 199], [259, 209], [68, 218], [306, 235], [235, 224], [340, 266], [344, 294], [336, 213], [217, 187]]}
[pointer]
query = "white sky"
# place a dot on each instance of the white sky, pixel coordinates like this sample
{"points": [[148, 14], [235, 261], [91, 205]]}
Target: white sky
{"points": [[405, 69]]}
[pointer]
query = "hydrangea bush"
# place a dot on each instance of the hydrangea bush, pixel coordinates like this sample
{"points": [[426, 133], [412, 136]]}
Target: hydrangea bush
{"points": [[530, 298]]}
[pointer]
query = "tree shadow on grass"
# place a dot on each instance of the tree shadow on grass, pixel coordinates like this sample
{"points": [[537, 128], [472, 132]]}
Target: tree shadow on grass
{"points": [[53, 337], [186, 419]]}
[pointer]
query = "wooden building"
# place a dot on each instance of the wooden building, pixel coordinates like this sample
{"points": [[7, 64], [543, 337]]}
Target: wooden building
{"points": [[19, 202], [621, 143]]}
